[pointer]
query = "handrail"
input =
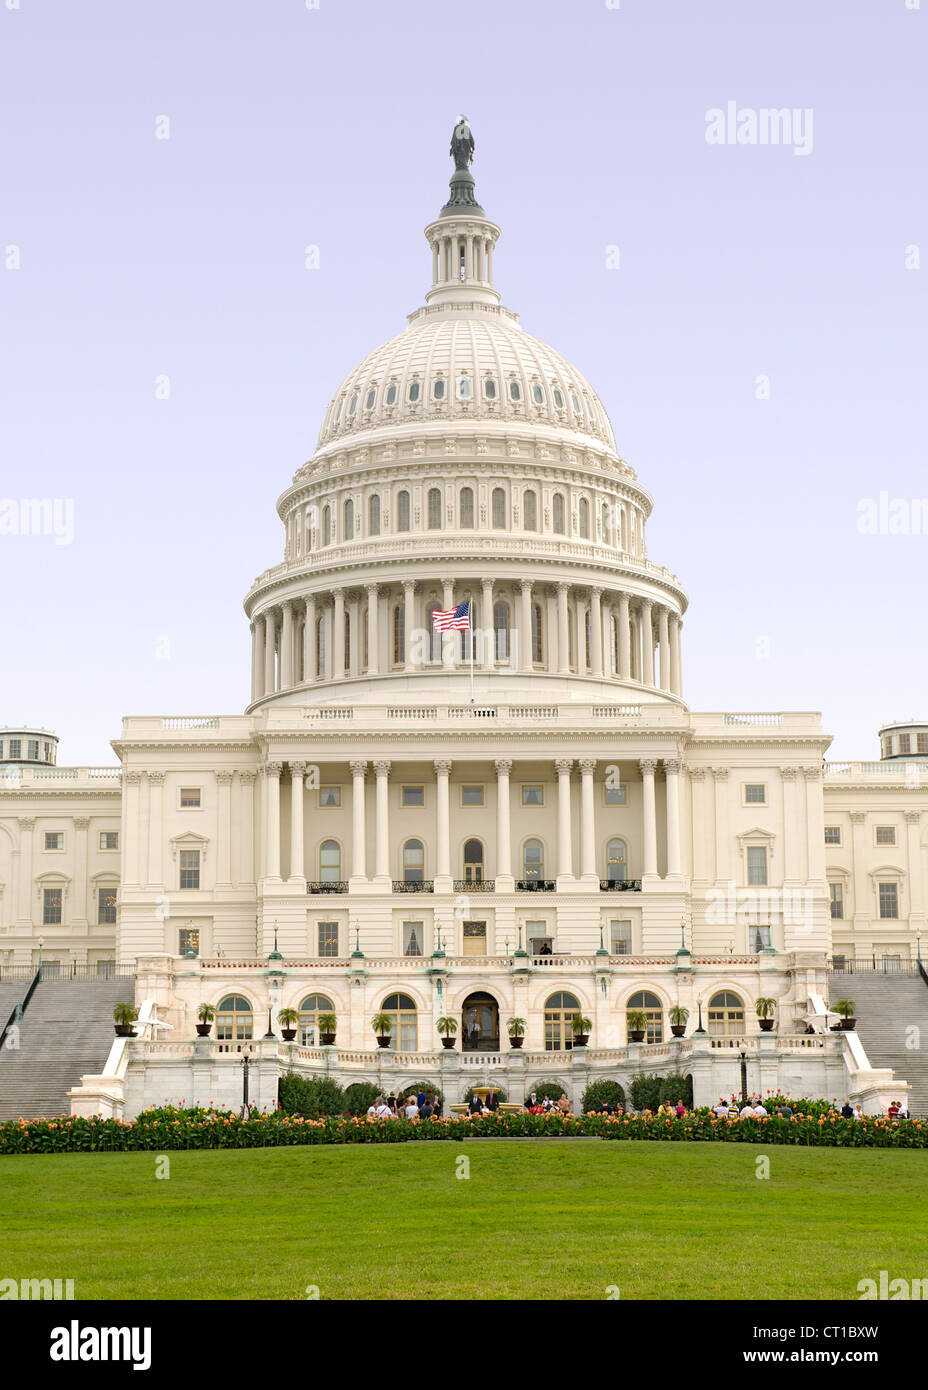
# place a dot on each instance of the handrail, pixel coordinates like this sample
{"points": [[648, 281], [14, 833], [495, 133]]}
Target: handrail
{"points": [[922, 971], [20, 1008]]}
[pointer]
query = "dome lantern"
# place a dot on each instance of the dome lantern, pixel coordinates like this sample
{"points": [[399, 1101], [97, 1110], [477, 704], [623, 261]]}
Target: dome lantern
{"points": [[463, 237]]}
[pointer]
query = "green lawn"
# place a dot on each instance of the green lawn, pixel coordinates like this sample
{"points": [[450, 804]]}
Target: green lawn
{"points": [[539, 1219]]}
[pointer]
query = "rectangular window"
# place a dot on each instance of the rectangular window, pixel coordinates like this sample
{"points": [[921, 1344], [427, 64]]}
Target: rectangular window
{"points": [[886, 834], [922, 740], [106, 906], [839, 963], [109, 839], [760, 939], [475, 939], [755, 794], [51, 905], [189, 868], [613, 796], [533, 794], [54, 839], [188, 939], [889, 900], [832, 834], [836, 899], [412, 796], [189, 797], [15, 747], [33, 750], [472, 795], [413, 939], [330, 796], [621, 935], [328, 938], [757, 864]]}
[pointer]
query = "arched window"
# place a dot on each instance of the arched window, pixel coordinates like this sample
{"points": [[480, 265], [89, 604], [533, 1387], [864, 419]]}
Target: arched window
{"points": [[373, 515], [616, 861], [326, 526], [310, 1009], [413, 862], [467, 508], [404, 1032], [434, 508], [349, 520], [390, 398], [559, 513], [533, 861], [234, 1019], [538, 655], [353, 404], [320, 648], [438, 390], [584, 514], [402, 511], [473, 861], [499, 509], [650, 1005], [399, 634], [529, 511], [560, 1009], [435, 638], [371, 397], [501, 630], [726, 1014], [489, 389], [463, 389], [330, 862], [515, 391], [413, 393], [558, 398], [538, 394]]}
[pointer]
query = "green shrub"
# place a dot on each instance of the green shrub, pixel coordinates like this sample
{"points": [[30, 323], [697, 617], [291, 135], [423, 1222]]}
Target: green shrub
{"points": [[602, 1093], [646, 1091], [360, 1096], [500, 1094], [310, 1096], [675, 1086]]}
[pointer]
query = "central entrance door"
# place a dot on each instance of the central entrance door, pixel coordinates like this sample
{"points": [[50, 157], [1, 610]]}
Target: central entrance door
{"points": [[480, 1023]]}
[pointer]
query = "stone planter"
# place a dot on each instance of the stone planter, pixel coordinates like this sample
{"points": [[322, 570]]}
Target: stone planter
{"points": [[288, 1034], [326, 1039], [678, 1029], [516, 1042], [203, 1030], [448, 1043], [125, 1030], [766, 1025], [581, 1039], [383, 1042], [848, 1024], [636, 1035]]}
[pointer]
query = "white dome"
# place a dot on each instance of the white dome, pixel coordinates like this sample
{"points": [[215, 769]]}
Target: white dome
{"points": [[466, 361]]}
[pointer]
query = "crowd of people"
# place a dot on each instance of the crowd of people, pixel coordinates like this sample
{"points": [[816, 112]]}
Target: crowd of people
{"points": [[547, 1105], [418, 1105]]}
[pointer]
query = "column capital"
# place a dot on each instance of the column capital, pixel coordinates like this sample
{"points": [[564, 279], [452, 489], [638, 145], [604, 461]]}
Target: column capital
{"points": [[273, 769], [224, 776], [673, 765], [247, 774], [697, 774], [789, 774], [359, 766], [382, 766], [297, 769], [912, 817], [647, 766], [443, 765], [372, 589], [338, 592], [858, 817], [563, 765], [562, 587], [596, 591], [720, 774], [132, 778], [503, 766], [26, 822], [526, 585], [812, 774], [587, 765], [156, 778], [81, 822], [287, 605]]}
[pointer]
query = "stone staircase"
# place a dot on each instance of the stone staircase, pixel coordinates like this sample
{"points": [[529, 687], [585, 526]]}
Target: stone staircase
{"points": [[886, 1006], [66, 1031]]}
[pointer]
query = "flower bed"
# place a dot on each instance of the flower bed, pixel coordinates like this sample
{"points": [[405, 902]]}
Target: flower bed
{"points": [[166, 1129]]}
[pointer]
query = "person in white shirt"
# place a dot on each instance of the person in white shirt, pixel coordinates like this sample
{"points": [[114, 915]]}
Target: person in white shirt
{"points": [[383, 1111], [412, 1110], [760, 1111], [722, 1110], [747, 1111]]}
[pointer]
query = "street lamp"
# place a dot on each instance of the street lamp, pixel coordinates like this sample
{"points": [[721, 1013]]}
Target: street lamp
{"points": [[246, 1059]]}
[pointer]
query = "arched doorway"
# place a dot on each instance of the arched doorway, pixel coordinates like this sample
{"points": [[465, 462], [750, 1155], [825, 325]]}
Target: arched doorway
{"points": [[480, 1012]]}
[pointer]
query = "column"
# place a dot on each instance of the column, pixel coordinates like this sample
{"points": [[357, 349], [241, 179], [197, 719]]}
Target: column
{"points": [[565, 858], [563, 630], [434, 262], [129, 841], [328, 665], [503, 851], [676, 682], [791, 869], [358, 819], [442, 819], [223, 830], [525, 625], [649, 820], [382, 855], [672, 774], [245, 820], [310, 673], [448, 639], [409, 587], [26, 831], [664, 647], [587, 818], [488, 654], [373, 631], [79, 908], [338, 635], [297, 866], [356, 647], [596, 635], [647, 643], [580, 631], [155, 827], [722, 866], [914, 865], [286, 647], [270, 644], [272, 819], [815, 824], [700, 822], [255, 662], [625, 639]]}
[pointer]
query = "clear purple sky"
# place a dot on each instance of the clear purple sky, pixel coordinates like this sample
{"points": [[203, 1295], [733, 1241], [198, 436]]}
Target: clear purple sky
{"points": [[289, 126]]}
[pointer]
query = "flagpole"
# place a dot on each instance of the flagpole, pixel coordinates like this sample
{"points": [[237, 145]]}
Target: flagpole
{"points": [[470, 629]]}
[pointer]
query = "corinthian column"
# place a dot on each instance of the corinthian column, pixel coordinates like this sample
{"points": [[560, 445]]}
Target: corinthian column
{"points": [[297, 868], [442, 822], [286, 647], [676, 684], [310, 673], [272, 823], [382, 855], [596, 634], [672, 775], [565, 858], [625, 639], [488, 655], [270, 644], [649, 819], [563, 630], [373, 631], [358, 820], [525, 625], [503, 852], [647, 643], [664, 645], [587, 819], [338, 636]]}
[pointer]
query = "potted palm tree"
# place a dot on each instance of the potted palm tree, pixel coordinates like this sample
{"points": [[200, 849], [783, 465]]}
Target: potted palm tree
{"points": [[580, 1027], [124, 1015], [679, 1014], [764, 1008], [516, 1030], [447, 1027], [382, 1025], [637, 1021], [206, 1013], [327, 1026], [845, 1007], [288, 1019]]}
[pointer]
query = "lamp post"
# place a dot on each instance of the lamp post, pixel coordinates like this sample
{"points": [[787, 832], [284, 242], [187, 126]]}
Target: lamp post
{"points": [[246, 1059], [744, 1076], [41, 944]]}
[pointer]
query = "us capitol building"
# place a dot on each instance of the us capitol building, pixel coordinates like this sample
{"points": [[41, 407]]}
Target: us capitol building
{"points": [[521, 820]]}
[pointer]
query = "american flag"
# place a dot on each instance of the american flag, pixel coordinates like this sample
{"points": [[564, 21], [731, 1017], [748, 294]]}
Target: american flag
{"points": [[452, 619]]}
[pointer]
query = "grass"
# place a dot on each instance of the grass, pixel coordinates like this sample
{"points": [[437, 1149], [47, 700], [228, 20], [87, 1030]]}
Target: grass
{"points": [[537, 1219]]}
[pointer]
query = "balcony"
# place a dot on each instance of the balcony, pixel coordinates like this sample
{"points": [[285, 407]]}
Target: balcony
{"points": [[620, 885], [336, 886], [425, 885], [483, 885], [535, 885]]}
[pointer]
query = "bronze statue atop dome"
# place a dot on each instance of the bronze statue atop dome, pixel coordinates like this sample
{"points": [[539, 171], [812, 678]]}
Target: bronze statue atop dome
{"points": [[462, 144]]}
